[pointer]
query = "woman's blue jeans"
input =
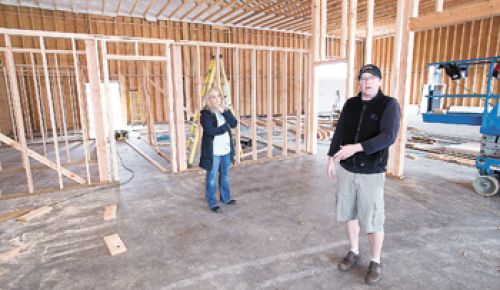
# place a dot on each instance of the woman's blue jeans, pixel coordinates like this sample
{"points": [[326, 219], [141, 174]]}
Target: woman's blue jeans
{"points": [[220, 164]]}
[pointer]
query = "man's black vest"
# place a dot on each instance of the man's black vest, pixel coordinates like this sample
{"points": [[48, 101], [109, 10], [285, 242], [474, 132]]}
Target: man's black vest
{"points": [[362, 122]]}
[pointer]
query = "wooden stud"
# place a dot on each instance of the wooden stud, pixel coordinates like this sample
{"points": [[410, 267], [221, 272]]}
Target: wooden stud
{"points": [[284, 105], [344, 29], [51, 111], [38, 104], [9, 103], [298, 101], [16, 103], [351, 74], [109, 111], [179, 106], [93, 76], [369, 31], [270, 104], [400, 83], [236, 80], [83, 115], [169, 84], [254, 104], [62, 107]]}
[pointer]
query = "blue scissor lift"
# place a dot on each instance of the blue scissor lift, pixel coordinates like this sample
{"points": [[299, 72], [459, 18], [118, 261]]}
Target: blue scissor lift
{"points": [[434, 92]]}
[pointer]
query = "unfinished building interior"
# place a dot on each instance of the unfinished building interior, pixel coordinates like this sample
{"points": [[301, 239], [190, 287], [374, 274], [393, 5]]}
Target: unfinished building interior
{"points": [[99, 116]]}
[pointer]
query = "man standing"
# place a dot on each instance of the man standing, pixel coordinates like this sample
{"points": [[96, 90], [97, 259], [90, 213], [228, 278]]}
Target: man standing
{"points": [[367, 126]]}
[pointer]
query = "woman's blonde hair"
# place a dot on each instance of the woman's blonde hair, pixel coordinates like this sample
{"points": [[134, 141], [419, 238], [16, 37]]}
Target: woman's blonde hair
{"points": [[214, 90]]}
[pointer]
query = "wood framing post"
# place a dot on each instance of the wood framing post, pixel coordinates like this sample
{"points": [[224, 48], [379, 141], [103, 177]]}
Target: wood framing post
{"points": [[16, 104], [253, 103], [369, 31], [351, 74], [236, 81], [400, 79], [344, 29], [312, 138], [109, 111], [83, 111], [50, 103], [178, 98], [169, 84], [100, 136], [323, 27], [269, 104], [439, 5]]}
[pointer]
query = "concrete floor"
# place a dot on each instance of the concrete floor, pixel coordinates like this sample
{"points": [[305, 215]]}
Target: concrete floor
{"points": [[281, 235]]}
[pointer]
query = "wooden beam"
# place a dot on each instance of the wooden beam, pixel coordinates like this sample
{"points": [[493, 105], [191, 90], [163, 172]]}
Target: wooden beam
{"points": [[400, 80], [236, 81], [298, 100], [459, 14], [344, 29], [38, 104], [16, 103], [177, 9], [163, 8], [196, 5], [156, 164], [109, 111], [35, 214], [323, 27], [222, 7], [109, 212], [51, 111], [351, 74], [284, 104], [178, 95], [209, 6], [439, 5], [151, 4], [369, 31], [254, 103], [169, 84], [270, 104], [234, 8], [81, 106], [62, 107], [133, 7], [95, 95]]}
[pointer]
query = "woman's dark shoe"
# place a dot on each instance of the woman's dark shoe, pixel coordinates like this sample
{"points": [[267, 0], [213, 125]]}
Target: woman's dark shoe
{"points": [[231, 201], [215, 209]]}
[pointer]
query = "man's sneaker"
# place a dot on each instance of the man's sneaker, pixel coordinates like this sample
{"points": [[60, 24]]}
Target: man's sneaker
{"points": [[350, 260], [373, 275]]}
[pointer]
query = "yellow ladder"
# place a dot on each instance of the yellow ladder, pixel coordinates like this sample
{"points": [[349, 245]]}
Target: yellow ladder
{"points": [[195, 129]]}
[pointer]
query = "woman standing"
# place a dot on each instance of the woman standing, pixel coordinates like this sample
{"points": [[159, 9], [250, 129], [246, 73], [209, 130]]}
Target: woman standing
{"points": [[217, 151]]}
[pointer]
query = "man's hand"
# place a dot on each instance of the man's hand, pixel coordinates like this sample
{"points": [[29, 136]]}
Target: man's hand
{"points": [[330, 171], [347, 151]]}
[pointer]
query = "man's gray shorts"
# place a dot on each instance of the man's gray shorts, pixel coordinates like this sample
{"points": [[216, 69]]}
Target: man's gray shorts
{"points": [[361, 196]]}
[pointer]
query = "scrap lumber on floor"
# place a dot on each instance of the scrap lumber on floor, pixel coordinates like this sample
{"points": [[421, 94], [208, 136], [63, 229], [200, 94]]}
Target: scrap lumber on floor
{"points": [[35, 214], [115, 244]]}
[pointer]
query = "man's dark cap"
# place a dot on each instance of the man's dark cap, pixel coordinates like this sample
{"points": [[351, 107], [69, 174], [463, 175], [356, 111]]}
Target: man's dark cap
{"points": [[371, 69]]}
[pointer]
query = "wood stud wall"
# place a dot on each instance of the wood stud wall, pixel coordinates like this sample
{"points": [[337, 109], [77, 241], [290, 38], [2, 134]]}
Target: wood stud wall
{"points": [[474, 39], [130, 72]]}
